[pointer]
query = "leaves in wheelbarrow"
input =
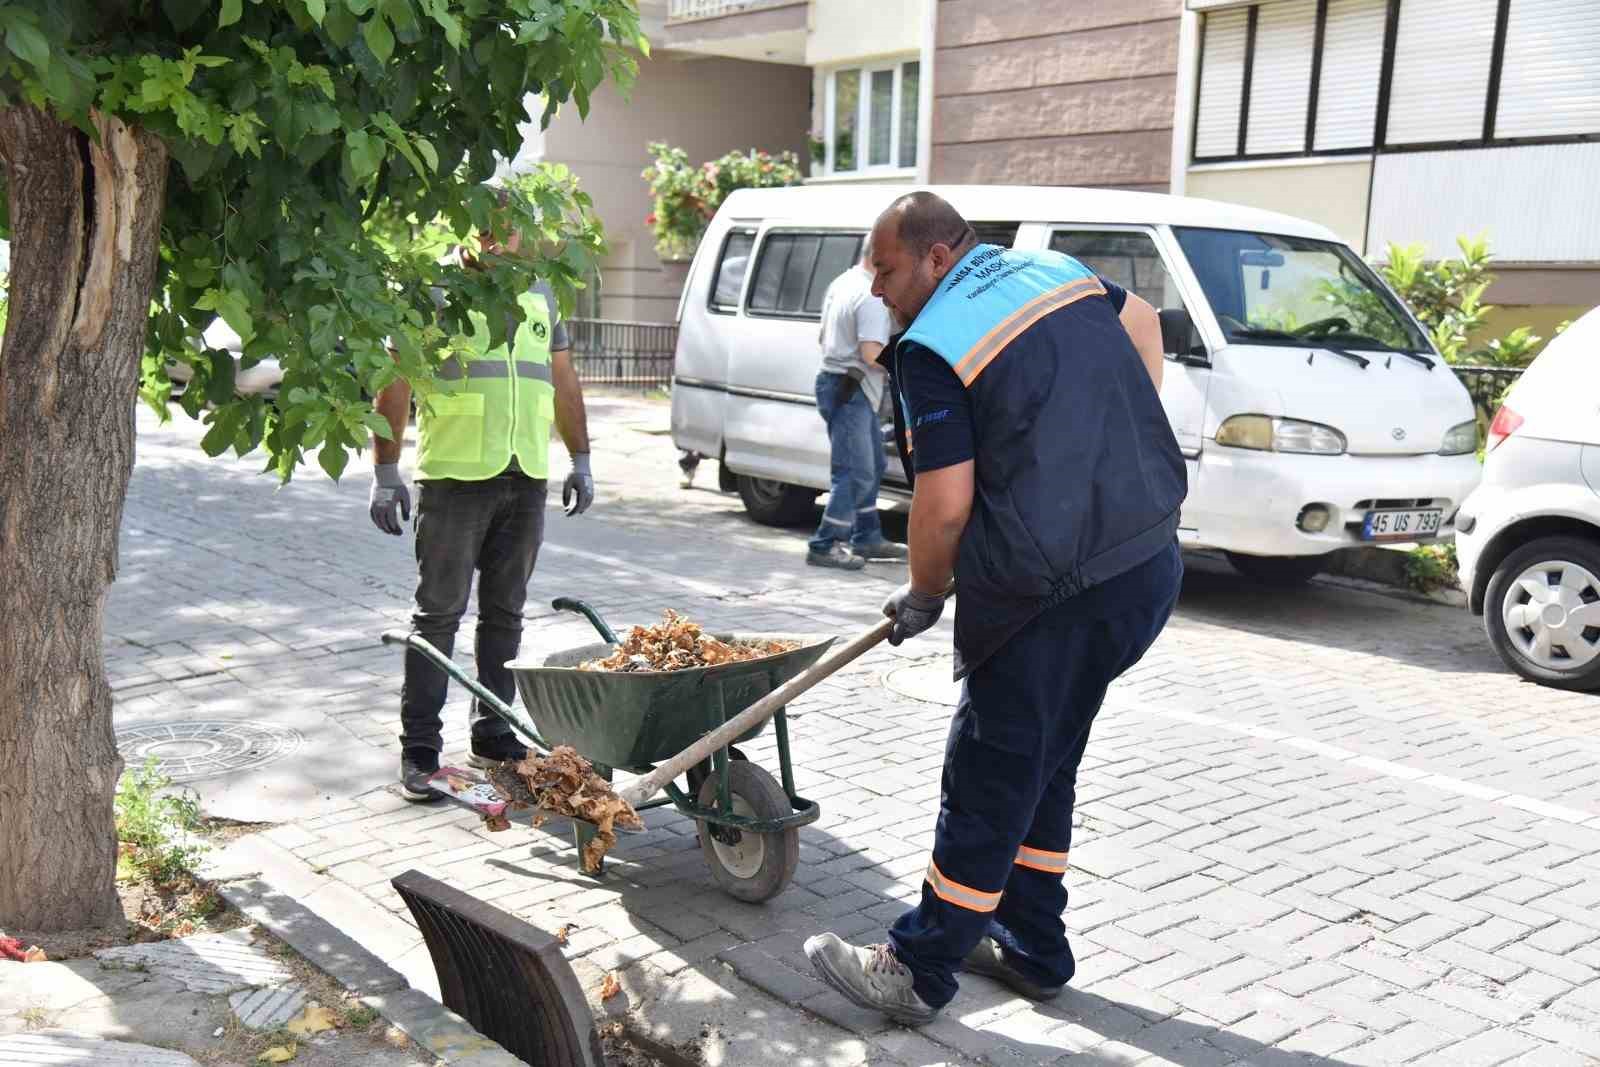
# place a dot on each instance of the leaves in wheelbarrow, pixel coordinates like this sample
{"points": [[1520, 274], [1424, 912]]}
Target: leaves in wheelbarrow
{"points": [[676, 644], [565, 783]]}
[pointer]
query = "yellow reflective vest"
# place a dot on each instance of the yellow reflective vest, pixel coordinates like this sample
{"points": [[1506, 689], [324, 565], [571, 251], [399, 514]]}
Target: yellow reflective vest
{"points": [[491, 404]]}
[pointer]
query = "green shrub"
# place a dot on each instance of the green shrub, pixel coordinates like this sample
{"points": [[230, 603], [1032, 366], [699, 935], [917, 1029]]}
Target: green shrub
{"points": [[155, 829], [1431, 567], [686, 197]]}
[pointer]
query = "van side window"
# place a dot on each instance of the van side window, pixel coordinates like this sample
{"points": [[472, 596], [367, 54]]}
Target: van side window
{"points": [[732, 266], [794, 270], [1129, 259]]}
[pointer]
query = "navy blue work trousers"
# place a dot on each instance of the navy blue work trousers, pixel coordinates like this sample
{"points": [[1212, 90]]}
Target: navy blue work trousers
{"points": [[1010, 773]]}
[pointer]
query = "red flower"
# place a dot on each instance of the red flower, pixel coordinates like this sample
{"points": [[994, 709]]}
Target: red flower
{"points": [[650, 219]]}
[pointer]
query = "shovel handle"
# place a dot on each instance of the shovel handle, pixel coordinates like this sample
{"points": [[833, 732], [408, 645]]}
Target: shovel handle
{"points": [[644, 788]]}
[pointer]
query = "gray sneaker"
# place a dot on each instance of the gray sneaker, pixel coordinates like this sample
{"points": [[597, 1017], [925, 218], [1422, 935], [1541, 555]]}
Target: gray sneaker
{"points": [[883, 550], [989, 961], [836, 556], [870, 977]]}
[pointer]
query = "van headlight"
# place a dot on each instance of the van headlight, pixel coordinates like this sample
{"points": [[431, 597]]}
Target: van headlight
{"points": [[1266, 434], [1460, 440]]}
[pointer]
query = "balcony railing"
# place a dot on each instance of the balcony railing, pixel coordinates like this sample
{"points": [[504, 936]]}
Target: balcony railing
{"points": [[690, 10]]}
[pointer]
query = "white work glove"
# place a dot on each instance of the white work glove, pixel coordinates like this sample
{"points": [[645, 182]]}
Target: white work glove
{"points": [[389, 503], [577, 493], [912, 612]]}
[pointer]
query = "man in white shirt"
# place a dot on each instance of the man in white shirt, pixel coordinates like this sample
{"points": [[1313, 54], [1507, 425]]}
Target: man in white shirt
{"points": [[855, 329]]}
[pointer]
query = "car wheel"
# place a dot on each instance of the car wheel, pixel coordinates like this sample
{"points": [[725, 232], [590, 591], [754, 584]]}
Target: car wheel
{"points": [[1542, 612], [776, 503], [1280, 571]]}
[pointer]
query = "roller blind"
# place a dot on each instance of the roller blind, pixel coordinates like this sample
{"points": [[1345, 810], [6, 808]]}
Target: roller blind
{"points": [[1550, 83], [1352, 62], [1280, 84], [1221, 83], [1441, 71]]}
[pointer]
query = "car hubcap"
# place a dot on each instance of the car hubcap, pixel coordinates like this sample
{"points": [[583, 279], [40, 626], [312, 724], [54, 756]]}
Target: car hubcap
{"points": [[768, 492], [1552, 615], [742, 859]]}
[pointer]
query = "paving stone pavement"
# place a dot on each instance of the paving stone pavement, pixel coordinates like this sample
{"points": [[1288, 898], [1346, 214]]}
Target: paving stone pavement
{"points": [[1313, 827]]}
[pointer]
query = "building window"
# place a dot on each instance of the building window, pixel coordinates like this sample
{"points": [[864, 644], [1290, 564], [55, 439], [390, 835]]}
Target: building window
{"points": [[872, 118], [1283, 78]]}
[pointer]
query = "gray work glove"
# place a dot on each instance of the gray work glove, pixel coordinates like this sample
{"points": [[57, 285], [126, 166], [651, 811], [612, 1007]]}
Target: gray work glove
{"points": [[389, 503], [912, 612], [577, 493]]}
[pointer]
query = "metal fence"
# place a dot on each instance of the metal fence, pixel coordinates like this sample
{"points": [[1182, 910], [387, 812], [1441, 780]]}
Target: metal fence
{"points": [[1486, 385], [635, 355]]}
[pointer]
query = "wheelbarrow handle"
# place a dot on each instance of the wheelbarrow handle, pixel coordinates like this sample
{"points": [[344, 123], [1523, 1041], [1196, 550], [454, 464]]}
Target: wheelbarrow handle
{"points": [[567, 603], [642, 789], [487, 697]]}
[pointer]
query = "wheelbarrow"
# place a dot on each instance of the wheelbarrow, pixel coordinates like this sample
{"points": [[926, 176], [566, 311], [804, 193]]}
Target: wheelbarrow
{"points": [[749, 821]]}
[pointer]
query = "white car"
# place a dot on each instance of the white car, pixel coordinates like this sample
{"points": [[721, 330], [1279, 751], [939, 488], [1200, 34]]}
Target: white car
{"points": [[1528, 537], [263, 378]]}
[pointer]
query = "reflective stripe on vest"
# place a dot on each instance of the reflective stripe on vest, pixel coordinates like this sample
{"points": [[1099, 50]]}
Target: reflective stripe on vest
{"points": [[492, 404]]}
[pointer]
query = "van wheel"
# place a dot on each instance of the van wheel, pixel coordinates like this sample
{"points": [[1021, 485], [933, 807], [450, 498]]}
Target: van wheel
{"points": [[1281, 571], [776, 503], [1542, 612]]}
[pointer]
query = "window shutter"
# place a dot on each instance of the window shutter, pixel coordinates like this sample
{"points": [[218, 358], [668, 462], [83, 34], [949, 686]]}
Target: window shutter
{"points": [[1441, 71], [1280, 85], [1221, 84], [1550, 84], [1352, 62]]}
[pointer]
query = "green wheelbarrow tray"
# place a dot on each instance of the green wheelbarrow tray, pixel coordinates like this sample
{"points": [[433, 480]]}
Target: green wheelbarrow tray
{"points": [[632, 720]]}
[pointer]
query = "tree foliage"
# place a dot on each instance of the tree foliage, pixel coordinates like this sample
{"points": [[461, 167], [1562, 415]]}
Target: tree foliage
{"points": [[324, 153], [1447, 297]]}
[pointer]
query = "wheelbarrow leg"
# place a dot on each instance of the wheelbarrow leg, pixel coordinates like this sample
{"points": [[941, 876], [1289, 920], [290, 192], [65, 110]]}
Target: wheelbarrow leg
{"points": [[583, 832]]}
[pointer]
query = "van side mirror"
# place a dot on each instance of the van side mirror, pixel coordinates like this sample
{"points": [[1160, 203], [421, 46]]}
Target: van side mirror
{"points": [[1180, 339]]}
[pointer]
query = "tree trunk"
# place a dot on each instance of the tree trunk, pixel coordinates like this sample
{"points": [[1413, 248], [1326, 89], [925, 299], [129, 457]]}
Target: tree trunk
{"points": [[85, 222]]}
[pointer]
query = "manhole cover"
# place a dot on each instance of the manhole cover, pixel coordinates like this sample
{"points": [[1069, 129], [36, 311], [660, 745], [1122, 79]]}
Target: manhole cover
{"points": [[928, 682], [188, 751]]}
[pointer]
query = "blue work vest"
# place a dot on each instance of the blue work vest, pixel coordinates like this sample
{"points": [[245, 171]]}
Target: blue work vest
{"points": [[1078, 475]]}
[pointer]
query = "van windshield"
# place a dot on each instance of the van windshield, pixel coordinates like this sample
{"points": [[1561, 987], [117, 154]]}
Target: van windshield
{"points": [[1274, 290]]}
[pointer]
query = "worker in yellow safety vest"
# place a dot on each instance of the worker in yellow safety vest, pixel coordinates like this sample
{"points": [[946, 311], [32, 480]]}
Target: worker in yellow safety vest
{"points": [[482, 462]]}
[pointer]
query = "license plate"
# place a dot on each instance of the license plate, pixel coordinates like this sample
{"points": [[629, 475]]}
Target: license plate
{"points": [[1401, 525]]}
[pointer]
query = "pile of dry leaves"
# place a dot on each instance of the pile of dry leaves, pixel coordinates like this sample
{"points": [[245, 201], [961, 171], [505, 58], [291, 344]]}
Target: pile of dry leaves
{"points": [[676, 644], [565, 783]]}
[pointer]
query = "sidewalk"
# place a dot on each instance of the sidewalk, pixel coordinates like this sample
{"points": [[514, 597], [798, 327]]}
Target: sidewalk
{"points": [[1324, 828]]}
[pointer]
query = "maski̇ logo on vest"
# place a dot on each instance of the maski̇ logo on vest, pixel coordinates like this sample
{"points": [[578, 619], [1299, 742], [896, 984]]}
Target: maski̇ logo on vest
{"points": [[540, 330]]}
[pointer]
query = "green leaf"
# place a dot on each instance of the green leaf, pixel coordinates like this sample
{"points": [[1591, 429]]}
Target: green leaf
{"points": [[219, 386], [232, 11], [426, 150], [184, 13], [234, 307], [317, 9], [379, 37], [340, 26], [378, 425], [365, 153], [28, 44], [333, 459], [360, 7]]}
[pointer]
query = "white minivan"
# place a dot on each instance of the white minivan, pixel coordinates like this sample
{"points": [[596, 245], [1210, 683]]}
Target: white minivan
{"points": [[1312, 410]]}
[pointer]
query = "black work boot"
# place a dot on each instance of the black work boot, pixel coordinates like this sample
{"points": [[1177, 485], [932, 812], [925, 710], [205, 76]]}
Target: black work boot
{"points": [[487, 751], [988, 960], [416, 764]]}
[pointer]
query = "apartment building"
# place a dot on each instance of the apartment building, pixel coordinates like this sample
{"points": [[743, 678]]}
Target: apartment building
{"points": [[1387, 120]]}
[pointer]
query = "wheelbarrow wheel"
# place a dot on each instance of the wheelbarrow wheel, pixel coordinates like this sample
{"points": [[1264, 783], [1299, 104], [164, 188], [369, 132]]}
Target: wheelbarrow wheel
{"points": [[752, 867]]}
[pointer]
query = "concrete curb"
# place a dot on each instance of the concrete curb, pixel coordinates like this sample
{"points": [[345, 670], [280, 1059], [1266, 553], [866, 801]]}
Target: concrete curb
{"points": [[309, 912], [1386, 567]]}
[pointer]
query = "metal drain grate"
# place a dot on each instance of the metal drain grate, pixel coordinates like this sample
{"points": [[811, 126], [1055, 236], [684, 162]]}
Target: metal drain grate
{"points": [[506, 977], [191, 750]]}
